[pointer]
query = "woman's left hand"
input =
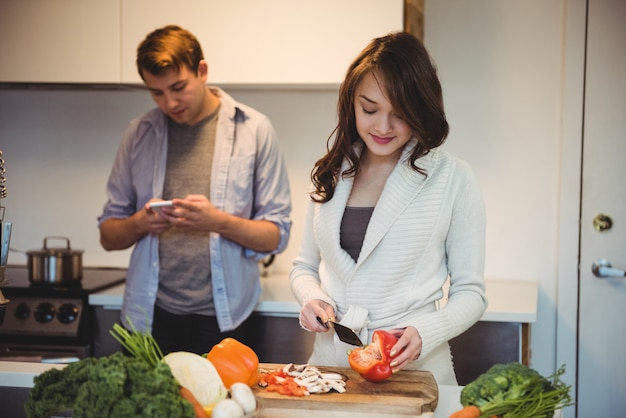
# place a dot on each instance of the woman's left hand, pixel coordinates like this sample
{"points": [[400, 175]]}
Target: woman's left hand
{"points": [[407, 349]]}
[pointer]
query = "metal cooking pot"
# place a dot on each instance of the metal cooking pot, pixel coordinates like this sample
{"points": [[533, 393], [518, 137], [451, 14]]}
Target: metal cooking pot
{"points": [[58, 266]]}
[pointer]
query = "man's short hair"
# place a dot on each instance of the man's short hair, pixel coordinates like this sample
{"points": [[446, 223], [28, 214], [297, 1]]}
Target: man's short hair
{"points": [[168, 48]]}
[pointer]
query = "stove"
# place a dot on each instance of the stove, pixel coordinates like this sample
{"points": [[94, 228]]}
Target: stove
{"points": [[51, 320]]}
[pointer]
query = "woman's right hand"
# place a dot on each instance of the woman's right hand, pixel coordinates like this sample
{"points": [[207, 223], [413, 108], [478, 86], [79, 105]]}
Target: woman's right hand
{"points": [[314, 315]]}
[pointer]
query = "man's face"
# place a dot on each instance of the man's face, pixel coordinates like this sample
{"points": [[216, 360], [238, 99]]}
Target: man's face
{"points": [[180, 95]]}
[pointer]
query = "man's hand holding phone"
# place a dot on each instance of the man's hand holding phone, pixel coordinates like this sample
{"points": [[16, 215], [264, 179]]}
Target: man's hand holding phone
{"points": [[157, 206], [166, 210]]}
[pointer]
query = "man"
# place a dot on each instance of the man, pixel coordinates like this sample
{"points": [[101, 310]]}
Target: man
{"points": [[193, 277]]}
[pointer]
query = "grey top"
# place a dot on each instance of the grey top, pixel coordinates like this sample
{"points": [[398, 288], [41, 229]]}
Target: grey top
{"points": [[185, 264], [353, 228]]}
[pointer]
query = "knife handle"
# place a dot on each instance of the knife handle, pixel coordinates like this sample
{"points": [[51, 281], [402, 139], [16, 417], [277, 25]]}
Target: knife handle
{"points": [[323, 323]]}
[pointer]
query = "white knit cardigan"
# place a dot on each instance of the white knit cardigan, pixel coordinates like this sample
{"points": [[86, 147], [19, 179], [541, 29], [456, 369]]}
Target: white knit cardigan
{"points": [[424, 230]]}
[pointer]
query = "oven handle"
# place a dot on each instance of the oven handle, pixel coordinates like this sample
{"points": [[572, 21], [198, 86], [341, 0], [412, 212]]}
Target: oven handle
{"points": [[60, 360]]}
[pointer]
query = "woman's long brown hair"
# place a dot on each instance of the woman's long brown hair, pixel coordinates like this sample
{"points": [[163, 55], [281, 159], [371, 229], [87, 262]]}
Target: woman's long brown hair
{"points": [[406, 72]]}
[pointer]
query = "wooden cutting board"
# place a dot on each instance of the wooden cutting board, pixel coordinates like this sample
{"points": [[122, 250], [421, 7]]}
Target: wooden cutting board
{"points": [[405, 393]]}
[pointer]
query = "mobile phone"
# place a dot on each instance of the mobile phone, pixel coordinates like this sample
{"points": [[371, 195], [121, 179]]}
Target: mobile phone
{"points": [[156, 206]]}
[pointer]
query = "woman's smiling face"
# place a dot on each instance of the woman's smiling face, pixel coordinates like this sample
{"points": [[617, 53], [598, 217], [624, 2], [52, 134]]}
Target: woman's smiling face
{"points": [[384, 132]]}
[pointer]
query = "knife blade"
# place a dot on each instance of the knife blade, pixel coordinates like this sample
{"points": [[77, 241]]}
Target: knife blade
{"points": [[344, 333]]}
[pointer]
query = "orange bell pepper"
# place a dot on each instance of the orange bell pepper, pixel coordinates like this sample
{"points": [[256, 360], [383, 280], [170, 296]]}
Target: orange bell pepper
{"points": [[235, 362]]}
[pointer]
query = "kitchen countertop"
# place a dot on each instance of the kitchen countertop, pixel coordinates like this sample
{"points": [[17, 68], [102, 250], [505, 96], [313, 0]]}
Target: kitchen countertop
{"points": [[21, 375], [509, 300]]}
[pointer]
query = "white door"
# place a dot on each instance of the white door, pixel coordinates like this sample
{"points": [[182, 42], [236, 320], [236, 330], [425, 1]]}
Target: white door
{"points": [[602, 305]]}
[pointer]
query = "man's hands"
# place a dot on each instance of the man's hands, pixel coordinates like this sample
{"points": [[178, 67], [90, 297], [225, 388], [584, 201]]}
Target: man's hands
{"points": [[122, 233], [197, 213], [194, 212], [153, 221]]}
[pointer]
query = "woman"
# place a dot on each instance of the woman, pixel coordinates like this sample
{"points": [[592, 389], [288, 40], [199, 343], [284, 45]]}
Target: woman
{"points": [[392, 216]]}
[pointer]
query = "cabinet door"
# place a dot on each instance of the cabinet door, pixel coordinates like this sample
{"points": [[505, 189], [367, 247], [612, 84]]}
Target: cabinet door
{"points": [[59, 41], [265, 41]]}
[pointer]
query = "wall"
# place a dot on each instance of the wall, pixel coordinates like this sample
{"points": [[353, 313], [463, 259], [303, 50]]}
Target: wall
{"points": [[502, 84], [501, 66]]}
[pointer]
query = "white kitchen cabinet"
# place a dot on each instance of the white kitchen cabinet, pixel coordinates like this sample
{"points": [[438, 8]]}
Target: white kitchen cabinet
{"points": [[249, 42], [265, 41], [59, 41]]}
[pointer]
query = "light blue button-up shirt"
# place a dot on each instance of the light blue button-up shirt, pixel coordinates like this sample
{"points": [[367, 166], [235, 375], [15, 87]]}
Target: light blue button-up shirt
{"points": [[248, 179]]}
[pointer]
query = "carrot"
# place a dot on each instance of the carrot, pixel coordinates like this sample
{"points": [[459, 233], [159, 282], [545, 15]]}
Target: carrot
{"points": [[470, 411], [188, 396]]}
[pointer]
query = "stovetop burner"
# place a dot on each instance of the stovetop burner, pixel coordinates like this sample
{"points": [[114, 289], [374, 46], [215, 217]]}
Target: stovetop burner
{"points": [[94, 279]]}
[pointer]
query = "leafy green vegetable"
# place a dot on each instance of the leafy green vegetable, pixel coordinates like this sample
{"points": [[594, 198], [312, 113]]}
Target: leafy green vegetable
{"points": [[112, 386], [513, 390], [140, 344]]}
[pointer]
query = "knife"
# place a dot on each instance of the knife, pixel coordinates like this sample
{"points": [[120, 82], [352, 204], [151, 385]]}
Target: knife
{"points": [[344, 333]]}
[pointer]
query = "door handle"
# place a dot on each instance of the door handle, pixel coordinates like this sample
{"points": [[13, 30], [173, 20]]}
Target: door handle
{"points": [[602, 268]]}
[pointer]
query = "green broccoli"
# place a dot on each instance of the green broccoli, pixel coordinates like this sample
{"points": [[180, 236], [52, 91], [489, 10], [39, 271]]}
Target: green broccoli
{"points": [[115, 385], [160, 381], [513, 390], [162, 406], [156, 397]]}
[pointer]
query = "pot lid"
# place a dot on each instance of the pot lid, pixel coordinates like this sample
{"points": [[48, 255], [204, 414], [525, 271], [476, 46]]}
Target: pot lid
{"points": [[55, 251]]}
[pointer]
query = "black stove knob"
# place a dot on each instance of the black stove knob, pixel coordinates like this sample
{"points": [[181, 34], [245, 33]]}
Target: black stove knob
{"points": [[22, 311], [68, 312], [44, 312]]}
